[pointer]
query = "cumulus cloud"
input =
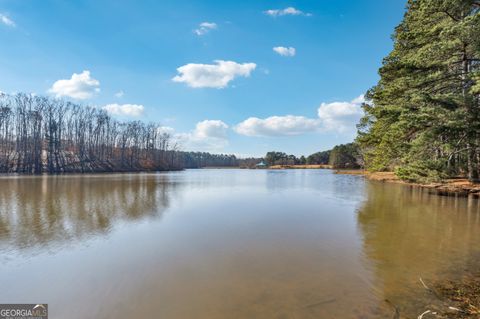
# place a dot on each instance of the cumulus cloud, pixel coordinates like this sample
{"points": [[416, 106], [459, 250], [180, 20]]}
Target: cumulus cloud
{"points": [[277, 126], [287, 11], [124, 109], [7, 21], [80, 86], [336, 116], [284, 51], [216, 75], [166, 130], [205, 27], [359, 99], [208, 135], [339, 116], [210, 129], [119, 94]]}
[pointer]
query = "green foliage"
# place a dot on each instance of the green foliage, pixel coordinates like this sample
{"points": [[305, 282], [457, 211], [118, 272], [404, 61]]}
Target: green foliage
{"points": [[419, 165], [422, 118], [319, 158], [341, 156], [280, 158], [345, 156], [476, 87]]}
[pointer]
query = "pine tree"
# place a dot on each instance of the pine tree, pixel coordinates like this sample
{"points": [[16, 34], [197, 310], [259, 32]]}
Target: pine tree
{"points": [[422, 118]]}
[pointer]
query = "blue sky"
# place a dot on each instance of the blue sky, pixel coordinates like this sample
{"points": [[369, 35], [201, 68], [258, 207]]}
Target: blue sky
{"points": [[241, 77]]}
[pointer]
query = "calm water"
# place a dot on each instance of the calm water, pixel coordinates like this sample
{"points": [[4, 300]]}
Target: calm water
{"points": [[228, 244]]}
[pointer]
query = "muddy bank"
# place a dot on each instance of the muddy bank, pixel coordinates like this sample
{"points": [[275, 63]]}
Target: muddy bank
{"points": [[457, 297], [461, 298], [449, 187], [449, 299]]}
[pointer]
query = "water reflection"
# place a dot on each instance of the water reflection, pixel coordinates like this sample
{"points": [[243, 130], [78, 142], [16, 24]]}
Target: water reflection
{"points": [[228, 243], [53, 210], [409, 233], [339, 187]]}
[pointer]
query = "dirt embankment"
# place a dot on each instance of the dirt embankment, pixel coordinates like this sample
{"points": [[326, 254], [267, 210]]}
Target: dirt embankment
{"points": [[449, 187]]}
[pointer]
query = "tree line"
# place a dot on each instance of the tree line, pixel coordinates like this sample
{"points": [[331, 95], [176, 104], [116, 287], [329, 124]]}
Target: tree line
{"points": [[204, 159], [280, 158], [44, 135], [422, 119], [341, 156]]}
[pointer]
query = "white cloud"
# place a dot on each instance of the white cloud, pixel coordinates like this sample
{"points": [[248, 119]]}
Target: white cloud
{"points": [[277, 126], [208, 135], [216, 75], [124, 109], [80, 86], [7, 21], [284, 51], [210, 128], [119, 94], [166, 130], [287, 11], [205, 27], [359, 99], [341, 117]]}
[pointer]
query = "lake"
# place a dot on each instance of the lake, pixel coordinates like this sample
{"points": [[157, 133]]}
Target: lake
{"points": [[231, 243]]}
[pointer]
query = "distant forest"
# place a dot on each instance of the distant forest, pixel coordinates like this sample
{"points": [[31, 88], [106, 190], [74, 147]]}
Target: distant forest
{"points": [[204, 159], [341, 156]]}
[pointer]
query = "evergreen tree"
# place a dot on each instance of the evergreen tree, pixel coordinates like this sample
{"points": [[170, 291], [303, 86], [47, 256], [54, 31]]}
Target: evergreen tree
{"points": [[422, 118], [345, 156], [319, 158]]}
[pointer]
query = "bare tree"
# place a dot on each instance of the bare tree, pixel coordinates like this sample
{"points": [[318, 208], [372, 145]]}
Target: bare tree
{"points": [[39, 134]]}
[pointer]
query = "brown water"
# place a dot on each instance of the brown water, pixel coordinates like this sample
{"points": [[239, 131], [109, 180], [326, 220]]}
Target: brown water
{"points": [[228, 244]]}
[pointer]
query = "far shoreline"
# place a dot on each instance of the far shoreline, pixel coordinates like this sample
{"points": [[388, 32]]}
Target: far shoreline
{"points": [[301, 166]]}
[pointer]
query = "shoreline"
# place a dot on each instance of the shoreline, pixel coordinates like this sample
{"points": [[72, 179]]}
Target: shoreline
{"points": [[300, 166], [450, 187]]}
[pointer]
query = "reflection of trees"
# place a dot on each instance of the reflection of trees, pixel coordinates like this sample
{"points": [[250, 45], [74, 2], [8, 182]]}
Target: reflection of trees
{"points": [[408, 233], [57, 209]]}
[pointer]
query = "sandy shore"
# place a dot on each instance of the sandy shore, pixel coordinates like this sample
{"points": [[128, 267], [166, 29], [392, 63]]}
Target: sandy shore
{"points": [[450, 187]]}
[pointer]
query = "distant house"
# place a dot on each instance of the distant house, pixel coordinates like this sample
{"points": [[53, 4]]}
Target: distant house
{"points": [[261, 165]]}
